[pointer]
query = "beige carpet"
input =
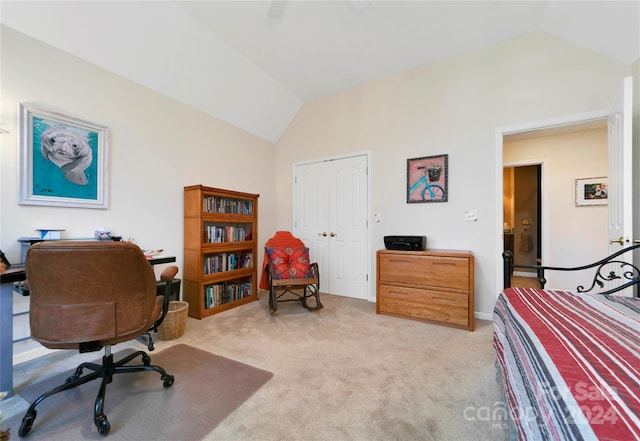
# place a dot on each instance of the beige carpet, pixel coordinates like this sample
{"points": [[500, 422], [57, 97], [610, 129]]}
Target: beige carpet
{"points": [[342, 373], [207, 389]]}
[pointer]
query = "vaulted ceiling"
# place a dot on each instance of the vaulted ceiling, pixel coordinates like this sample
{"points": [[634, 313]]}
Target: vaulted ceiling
{"points": [[255, 63]]}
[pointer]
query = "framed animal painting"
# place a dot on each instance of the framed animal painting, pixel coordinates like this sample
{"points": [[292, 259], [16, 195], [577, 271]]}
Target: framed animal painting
{"points": [[62, 161]]}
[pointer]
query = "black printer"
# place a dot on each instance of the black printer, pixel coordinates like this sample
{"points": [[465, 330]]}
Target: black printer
{"points": [[405, 243]]}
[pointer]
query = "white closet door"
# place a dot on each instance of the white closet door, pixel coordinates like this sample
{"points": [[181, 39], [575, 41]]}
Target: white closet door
{"points": [[310, 214], [348, 227], [330, 199]]}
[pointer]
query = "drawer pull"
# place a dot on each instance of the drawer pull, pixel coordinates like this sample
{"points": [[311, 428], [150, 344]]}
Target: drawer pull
{"points": [[444, 299], [445, 263]]}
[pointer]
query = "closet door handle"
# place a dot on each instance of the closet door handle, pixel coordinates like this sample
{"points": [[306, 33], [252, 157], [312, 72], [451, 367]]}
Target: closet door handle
{"points": [[323, 234], [333, 234]]}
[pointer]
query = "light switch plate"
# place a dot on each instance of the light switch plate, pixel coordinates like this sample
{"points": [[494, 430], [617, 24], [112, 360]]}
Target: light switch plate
{"points": [[470, 216]]}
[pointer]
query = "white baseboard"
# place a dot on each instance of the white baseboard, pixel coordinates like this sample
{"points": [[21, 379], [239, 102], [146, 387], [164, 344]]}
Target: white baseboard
{"points": [[31, 355], [483, 316]]}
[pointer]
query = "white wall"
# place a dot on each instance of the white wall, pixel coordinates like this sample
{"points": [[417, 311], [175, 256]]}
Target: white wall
{"points": [[157, 146], [451, 107], [574, 235]]}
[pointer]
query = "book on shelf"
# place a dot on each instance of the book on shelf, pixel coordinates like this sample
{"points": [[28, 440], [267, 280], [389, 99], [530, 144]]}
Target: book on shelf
{"points": [[217, 263], [227, 233], [218, 204], [226, 292]]}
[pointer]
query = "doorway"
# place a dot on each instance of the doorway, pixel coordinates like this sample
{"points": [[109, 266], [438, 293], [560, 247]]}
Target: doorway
{"points": [[561, 190], [522, 208]]}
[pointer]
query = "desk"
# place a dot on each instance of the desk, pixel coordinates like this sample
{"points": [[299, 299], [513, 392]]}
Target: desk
{"points": [[11, 275], [16, 273]]}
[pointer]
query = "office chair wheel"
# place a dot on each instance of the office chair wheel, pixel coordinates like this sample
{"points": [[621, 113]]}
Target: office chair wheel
{"points": [[168, 381], [146, 360], [27, 423], [103, 425]]}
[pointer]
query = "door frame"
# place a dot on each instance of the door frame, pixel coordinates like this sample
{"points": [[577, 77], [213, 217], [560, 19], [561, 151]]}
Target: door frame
{"points": [[530, 126], [366, 153]]}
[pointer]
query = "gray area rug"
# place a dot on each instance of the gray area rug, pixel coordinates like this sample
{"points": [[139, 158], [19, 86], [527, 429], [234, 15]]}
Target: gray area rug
{"points": [[207, 389]]}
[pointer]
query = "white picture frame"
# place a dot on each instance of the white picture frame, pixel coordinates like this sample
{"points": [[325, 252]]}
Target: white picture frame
{"points": [[62, 161], [591, 191]]}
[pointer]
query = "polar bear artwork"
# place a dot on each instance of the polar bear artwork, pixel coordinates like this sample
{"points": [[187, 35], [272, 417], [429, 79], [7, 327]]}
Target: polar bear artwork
{"points": [[69, 150]]}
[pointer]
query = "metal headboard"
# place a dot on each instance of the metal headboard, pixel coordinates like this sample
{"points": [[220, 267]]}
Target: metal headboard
{"points": [[606, 270]]}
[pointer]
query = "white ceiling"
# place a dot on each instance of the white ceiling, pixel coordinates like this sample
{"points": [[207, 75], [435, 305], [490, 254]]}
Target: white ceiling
{"points": [[316, 48], [254, 67]]}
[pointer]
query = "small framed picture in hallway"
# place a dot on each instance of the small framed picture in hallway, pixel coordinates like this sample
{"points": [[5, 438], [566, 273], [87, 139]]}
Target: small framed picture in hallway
{"points": [[591, 191]]}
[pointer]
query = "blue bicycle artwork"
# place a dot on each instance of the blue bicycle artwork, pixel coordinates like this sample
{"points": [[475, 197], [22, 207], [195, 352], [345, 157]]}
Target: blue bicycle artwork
{"points": [[425, 187]]}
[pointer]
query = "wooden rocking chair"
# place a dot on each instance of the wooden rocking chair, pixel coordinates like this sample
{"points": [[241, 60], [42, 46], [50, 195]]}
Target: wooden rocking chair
{"points": [[287, 271]]}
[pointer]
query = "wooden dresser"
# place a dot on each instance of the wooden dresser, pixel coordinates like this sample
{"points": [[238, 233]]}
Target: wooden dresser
{"points": [[431, 285]]}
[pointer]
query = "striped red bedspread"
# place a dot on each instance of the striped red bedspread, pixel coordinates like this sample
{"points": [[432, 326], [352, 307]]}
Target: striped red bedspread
{"points": [[569, 364]]}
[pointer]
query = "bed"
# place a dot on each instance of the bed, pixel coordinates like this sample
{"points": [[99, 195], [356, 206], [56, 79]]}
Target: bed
{"points": [[569, 361]]}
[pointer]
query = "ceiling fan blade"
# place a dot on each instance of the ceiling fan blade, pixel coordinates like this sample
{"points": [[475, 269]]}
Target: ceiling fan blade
{"points": [[359, 6], [276, 8]]}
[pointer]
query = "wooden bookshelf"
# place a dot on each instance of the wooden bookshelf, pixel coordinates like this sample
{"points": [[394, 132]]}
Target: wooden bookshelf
{"points": [[220, 249]]}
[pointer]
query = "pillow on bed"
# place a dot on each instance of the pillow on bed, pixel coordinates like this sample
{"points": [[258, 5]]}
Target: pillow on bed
{"points": [[290, 262]]}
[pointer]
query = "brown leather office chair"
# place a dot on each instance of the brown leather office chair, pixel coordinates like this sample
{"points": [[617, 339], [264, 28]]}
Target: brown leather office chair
{"points": [[89, 296], [164, 289]]}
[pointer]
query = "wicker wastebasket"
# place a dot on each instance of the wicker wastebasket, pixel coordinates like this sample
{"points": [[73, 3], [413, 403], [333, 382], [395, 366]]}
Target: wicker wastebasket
{"points": [[175, 322]]}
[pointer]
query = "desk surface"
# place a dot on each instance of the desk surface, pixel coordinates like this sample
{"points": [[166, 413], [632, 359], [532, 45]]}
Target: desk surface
{"points": [[158, 260]]}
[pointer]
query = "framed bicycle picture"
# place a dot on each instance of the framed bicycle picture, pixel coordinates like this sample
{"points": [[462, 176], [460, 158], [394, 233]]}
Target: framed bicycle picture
{"points": [[62, 161], [427, 179]]}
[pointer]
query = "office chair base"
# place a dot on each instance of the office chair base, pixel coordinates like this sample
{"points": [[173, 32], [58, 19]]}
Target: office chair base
{"points": [[106, 370]]}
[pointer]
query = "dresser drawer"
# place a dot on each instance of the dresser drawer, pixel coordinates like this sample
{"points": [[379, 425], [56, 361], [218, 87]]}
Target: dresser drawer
{"points": [[449, 272], [424, 304]]}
